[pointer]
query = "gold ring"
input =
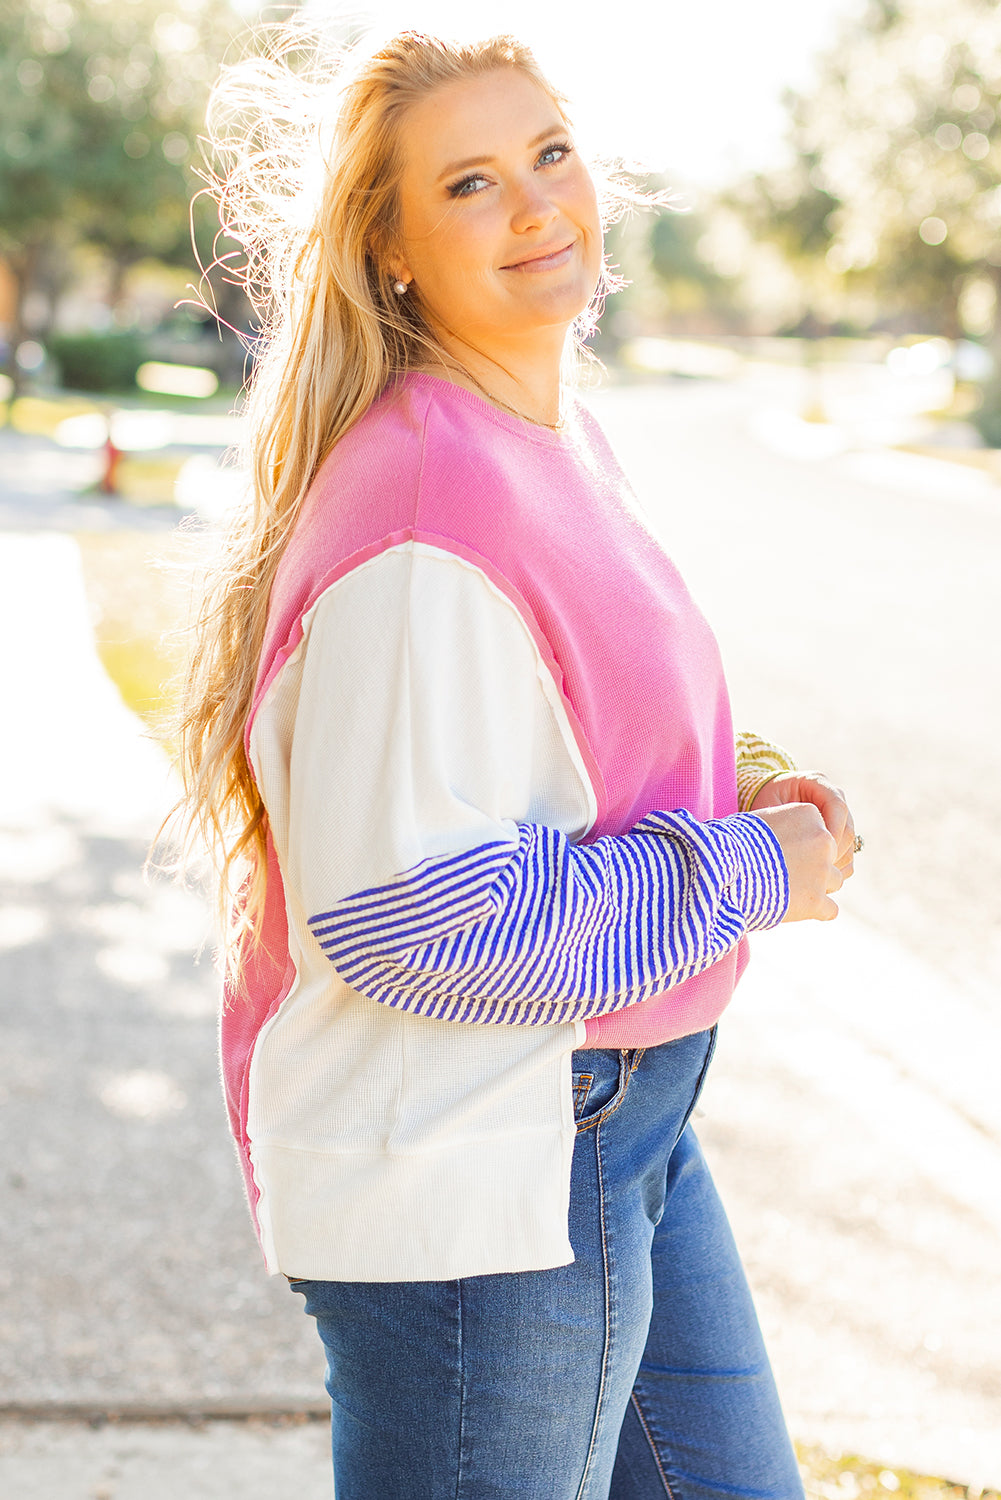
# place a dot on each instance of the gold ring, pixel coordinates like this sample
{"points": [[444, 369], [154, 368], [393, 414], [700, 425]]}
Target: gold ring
{"points": [[858, 844]]}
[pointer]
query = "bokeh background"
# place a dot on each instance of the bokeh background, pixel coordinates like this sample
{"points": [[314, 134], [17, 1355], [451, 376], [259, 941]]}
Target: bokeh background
{"points": [[803, 379]]}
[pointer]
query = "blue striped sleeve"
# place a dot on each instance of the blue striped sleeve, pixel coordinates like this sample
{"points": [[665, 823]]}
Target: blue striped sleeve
{"points": [[546, 930]]}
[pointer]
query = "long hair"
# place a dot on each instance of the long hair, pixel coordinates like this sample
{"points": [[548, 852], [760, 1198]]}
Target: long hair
{"points": [[306, 140]]}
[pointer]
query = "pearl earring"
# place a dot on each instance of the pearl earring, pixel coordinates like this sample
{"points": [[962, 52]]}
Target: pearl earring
{"points": [[400, 288]]}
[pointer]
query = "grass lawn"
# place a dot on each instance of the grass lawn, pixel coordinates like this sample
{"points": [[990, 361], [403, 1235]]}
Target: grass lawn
{"points": [[142, 477], [138, 604], [847, 1477]]}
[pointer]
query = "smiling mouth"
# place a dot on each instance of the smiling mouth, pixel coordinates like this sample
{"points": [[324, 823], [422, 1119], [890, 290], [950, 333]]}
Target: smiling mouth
{"points": [[544, 262]]}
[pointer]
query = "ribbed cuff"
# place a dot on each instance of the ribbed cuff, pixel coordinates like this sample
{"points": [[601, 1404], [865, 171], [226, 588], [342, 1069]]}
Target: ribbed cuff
{"points": [[750, 783], [759, 886]]}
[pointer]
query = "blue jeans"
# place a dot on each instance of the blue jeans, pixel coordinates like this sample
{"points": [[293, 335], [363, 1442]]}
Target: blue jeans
{"points": [[638, 1371]]}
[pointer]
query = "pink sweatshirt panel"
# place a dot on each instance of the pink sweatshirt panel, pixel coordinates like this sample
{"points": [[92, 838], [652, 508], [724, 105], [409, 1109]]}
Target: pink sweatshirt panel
{"points": [[552, 521]]}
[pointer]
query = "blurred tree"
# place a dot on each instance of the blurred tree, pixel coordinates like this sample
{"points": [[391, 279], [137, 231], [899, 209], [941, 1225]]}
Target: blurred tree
{"points": [[672, 261], [102, 104], [894, 185], [789, 210], [679, 260]]}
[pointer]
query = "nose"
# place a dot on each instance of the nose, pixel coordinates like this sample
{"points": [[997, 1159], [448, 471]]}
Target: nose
{"points": [[532, 208]]}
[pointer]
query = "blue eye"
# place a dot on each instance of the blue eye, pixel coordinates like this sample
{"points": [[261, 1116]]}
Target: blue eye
{"points": [[467, 186], [474, 182], [555, 153]]}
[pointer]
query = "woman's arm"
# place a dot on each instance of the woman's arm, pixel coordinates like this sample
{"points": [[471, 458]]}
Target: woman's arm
{"points": [[436, 796], [758, 762], [767, 776], [546, 930]]}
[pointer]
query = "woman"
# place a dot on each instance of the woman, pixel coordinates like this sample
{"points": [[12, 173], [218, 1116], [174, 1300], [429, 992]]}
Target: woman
{"points": [[458, 721]]}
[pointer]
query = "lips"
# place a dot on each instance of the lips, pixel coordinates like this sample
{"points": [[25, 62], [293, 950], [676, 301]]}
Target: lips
{"points": [[541, 259]]}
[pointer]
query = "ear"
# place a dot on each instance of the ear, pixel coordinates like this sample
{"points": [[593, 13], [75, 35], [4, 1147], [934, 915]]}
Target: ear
{"points": [[386, 252]]}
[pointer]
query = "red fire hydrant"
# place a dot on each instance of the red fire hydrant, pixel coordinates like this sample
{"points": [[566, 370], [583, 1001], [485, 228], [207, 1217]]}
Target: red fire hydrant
{"points": [[108, 483]]}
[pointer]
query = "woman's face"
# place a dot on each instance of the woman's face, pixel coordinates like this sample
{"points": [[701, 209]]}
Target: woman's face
{"points": [[500, 228]]}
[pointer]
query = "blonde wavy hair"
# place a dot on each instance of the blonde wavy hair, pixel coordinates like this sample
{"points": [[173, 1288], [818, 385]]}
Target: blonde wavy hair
{"points": [[305, 161]]}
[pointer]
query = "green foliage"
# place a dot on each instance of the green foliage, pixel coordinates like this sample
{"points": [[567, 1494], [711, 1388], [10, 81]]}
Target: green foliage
{"points": [[103, 101], [674, 250], [669, 264], [987, 418], [894, 187], [98, 361], [796, 211]]}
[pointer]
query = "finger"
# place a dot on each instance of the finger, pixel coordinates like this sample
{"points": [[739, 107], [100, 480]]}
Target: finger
{"points": [[856, 842], [830, 803], [828, 910], [839, 821], [846, 843], [844, 851], [845, 860], [835, 879]]}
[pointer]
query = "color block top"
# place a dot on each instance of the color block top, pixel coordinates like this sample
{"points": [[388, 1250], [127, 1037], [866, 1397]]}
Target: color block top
{"points": [[492, 734]]}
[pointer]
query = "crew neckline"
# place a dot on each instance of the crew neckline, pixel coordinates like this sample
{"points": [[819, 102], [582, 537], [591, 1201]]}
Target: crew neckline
{"points": [[524, 427]]}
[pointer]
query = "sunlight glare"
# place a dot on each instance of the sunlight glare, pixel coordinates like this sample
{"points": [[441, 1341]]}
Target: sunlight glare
{"points": [[693, 90]]}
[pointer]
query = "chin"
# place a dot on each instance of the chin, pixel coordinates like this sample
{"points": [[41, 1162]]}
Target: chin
{"points": [[565, 304]]}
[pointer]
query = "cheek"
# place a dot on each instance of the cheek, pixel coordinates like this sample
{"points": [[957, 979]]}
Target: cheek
{"points": [[445, 249], [459, 260], [596, 240], [589, 214]]}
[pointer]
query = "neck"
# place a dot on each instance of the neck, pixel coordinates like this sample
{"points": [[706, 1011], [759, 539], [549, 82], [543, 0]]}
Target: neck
{"points": [[523, 381]]}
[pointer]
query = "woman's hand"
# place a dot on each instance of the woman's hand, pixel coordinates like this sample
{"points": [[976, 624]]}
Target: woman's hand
{"points": [[810, 853], [829, 800]]}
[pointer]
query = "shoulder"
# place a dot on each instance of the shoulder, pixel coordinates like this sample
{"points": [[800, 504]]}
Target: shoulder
{"points": [[364, 494], [430, 462], [378, 458], [419, 444]]}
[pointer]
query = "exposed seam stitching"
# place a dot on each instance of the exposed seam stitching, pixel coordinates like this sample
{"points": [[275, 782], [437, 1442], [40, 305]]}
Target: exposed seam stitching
{"points": [[604, 1114], [653, 1447], [462, 1397], [420, 466], [581, 1091], [608, 1110], [608, 1320]]}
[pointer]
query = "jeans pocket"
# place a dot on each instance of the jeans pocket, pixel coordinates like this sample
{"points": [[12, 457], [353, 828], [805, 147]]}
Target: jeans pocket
{"points": [[582, 1083], [600, 1078]]}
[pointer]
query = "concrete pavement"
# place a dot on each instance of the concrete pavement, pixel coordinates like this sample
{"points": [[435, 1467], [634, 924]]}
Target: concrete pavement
{"points": [[123, 1213], [260, 1459], [129, 1278], [854, 1116], [856, 1139]]}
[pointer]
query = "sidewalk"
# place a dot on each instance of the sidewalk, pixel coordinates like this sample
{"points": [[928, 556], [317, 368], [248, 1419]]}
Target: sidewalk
{"points": [[857, 1142], [125, 1212], [855, 1133], [257, 1460]]}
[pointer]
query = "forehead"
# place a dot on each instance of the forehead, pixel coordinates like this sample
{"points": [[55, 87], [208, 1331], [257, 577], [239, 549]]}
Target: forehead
{"points": [[478, 117]]}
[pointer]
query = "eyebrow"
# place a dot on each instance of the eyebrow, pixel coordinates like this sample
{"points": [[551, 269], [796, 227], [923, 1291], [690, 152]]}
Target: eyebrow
{"points": [[482, 161]]}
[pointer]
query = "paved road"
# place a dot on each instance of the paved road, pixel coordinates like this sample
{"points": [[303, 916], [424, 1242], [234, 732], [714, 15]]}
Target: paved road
{"points": [[854, 1118], [857, 597]]}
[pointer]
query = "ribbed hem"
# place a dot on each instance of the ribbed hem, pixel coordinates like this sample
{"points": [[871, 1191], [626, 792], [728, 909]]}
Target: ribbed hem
{"points": [[499, 1205], [760, 884]]}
